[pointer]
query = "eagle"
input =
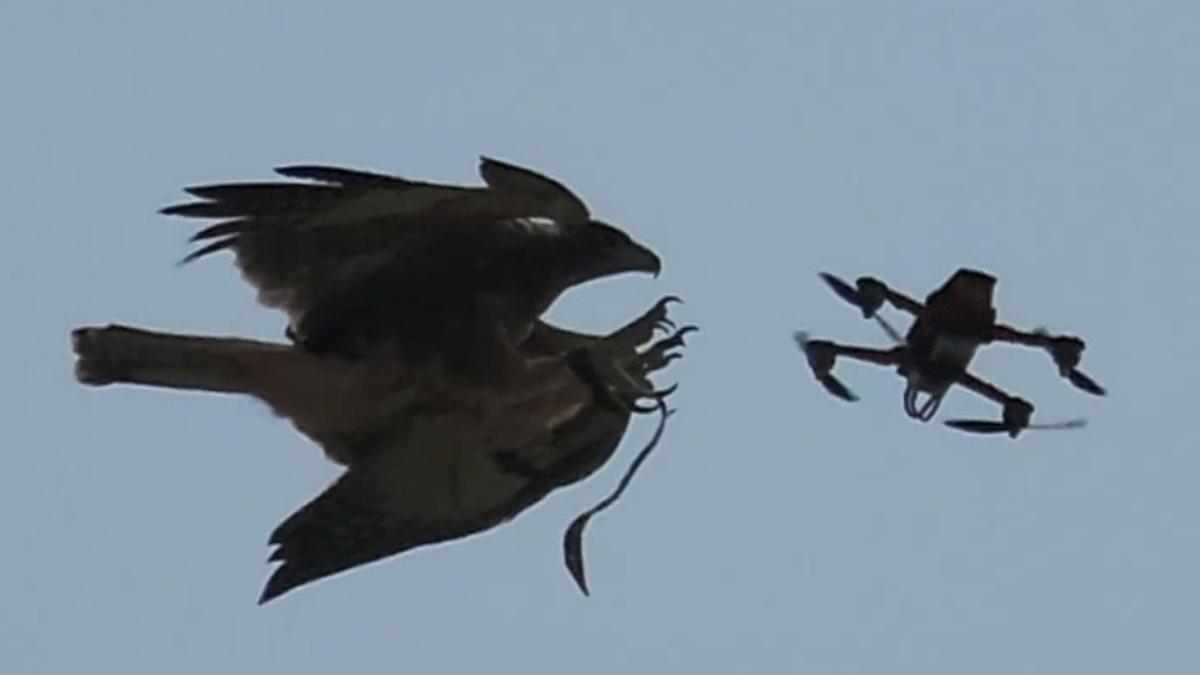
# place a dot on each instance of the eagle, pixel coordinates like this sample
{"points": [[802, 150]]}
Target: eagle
{"points": [[416, 357]]}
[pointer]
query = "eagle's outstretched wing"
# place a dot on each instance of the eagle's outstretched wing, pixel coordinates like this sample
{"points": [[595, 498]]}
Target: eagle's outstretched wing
{"points": [[362, 244], [375, 510], [390, 502]]}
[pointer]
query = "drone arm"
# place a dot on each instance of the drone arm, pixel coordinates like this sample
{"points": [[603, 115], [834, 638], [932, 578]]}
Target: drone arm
{"points": [[986, 389], [882, 357], [904, 303], [1017, 411], [1005, 333], [1066, 350]]}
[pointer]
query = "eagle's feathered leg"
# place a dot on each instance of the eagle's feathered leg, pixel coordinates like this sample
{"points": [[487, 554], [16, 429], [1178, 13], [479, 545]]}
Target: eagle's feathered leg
{"points": [[547, 339], [620, 383], [653, 358]]}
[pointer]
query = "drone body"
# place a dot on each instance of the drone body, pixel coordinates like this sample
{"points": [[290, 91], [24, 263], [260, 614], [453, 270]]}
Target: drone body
{"points": [[954, 321]]}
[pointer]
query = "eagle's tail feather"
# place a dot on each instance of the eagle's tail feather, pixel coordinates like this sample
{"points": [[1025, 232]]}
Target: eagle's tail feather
{"points": [[119, 354]]}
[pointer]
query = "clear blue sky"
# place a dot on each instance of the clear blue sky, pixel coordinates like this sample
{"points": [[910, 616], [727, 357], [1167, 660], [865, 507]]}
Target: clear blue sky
{"points": [[1053, 144]]}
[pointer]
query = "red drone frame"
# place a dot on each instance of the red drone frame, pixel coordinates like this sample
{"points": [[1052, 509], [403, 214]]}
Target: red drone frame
{"points": [[954, 322]]}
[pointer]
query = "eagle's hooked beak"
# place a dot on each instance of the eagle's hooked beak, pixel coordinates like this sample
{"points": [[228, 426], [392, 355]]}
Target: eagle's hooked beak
{"points": [[641, 259]]}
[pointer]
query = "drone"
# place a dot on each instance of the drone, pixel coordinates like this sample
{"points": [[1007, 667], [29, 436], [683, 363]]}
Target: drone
{"points": [[947, 330]]}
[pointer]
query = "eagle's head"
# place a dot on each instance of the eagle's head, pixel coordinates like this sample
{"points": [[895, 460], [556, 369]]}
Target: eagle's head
{"points": [[597, 249]]}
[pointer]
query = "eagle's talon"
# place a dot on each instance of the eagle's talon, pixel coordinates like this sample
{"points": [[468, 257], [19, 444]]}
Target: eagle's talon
{"points": [[642, 408], [642, 329], [663, 304], [673, 341], [659, 396], [664, 393], [659, 354]]}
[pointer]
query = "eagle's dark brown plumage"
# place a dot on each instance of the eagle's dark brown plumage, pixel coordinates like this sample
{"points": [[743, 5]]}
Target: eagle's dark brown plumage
{"points": [[387, 502], [461, 271], [419, 359]]}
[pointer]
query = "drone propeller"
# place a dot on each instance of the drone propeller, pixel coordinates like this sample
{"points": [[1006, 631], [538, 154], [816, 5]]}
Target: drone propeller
{"points": [[1077, 378], [978, 426], [835, 387], [997, 427], [859, 298], [843, 290], [821, 364]]}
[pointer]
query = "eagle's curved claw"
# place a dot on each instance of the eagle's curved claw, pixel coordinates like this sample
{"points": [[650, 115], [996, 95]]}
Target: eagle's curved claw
{"points": [[661, 307], [658, 396], [642, 329], [664, 393], [658, 355], [675, 340]]}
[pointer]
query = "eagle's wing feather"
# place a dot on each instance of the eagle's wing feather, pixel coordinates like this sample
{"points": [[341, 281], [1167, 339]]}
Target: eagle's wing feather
{"points": [[563, 205], [392, 502], [447, 486], [301, 243]]}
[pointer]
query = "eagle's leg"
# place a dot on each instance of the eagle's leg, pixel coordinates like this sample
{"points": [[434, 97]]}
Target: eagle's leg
{"points": [[547, 339], [627, 380], [620, 383], [598, 370]]}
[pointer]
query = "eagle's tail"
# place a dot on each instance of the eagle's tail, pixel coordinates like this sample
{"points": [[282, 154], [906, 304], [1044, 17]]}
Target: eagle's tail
{"points": [[119, 354]]}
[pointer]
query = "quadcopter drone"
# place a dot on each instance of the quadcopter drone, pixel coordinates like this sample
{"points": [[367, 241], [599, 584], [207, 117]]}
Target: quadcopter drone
{"points": [[954, 322]]}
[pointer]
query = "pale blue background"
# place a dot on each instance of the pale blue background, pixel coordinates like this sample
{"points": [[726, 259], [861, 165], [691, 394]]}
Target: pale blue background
{"points": [[1052, 143]]}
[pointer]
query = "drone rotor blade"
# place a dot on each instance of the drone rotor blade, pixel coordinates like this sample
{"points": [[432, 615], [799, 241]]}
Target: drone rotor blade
{"points": [[835, 387], [994, 427], [978, 426], [1077, 423], [844, 290], [1085, 383]]}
